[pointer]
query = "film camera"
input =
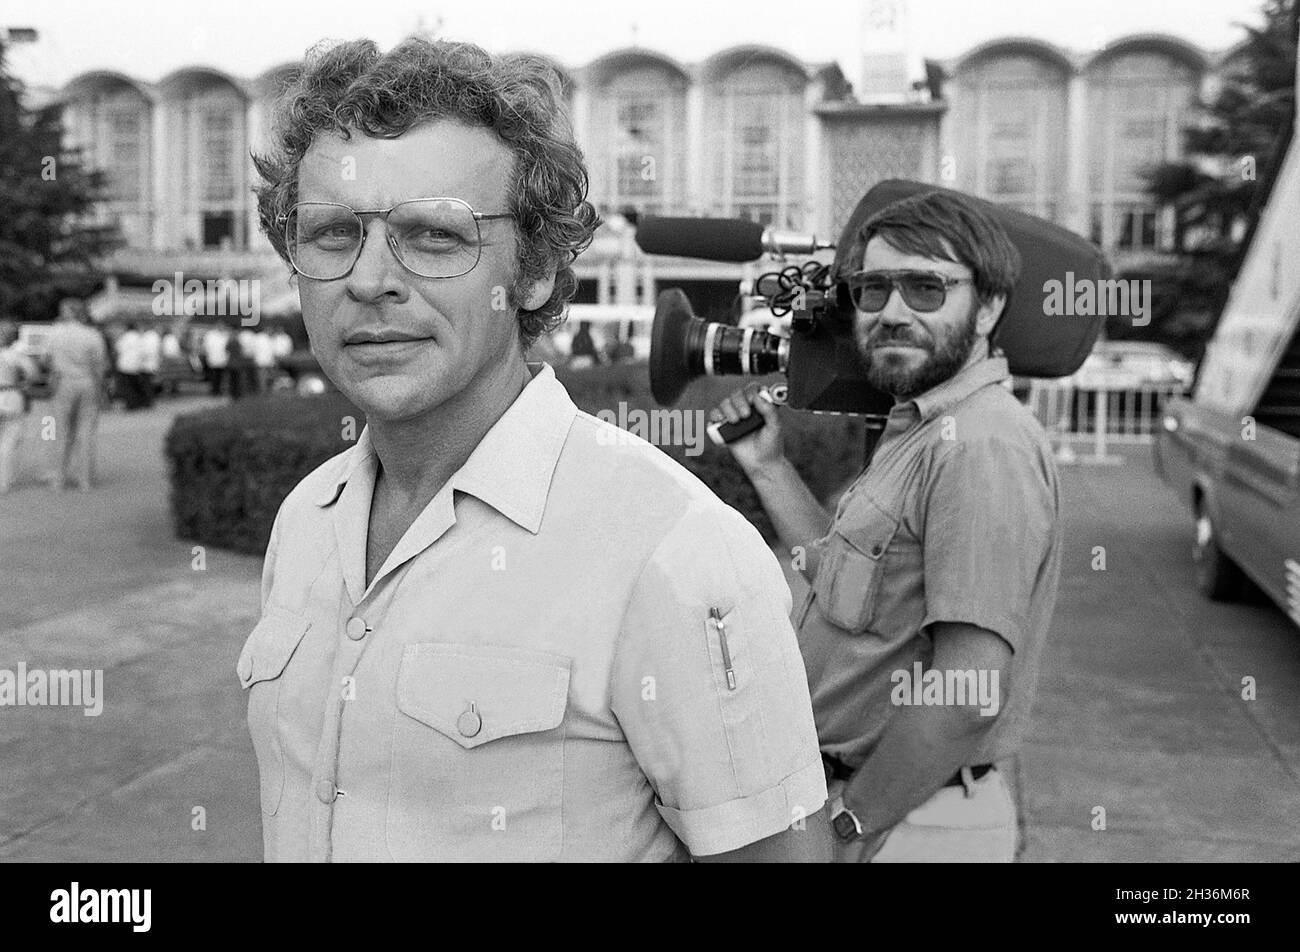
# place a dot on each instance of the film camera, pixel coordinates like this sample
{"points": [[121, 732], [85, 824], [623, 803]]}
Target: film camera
{"points": [[820, 358]]}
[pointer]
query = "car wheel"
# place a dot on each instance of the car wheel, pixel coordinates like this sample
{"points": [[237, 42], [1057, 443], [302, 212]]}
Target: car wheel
{"points": [[1217, 576]]}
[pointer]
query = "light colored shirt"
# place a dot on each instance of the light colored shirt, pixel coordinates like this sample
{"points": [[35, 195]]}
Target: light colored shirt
{"points": [[77, 353], [533, 674], [263, 350], [955, 520], [150, 351], [130, 353], [214, 347]]}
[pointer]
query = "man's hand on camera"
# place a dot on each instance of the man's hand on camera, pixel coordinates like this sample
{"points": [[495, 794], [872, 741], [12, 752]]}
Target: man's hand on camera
{"points": [[764, 447], [795, 512]]}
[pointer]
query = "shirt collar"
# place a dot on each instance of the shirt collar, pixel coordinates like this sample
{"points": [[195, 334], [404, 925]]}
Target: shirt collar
{"points": [[512, 466], [942, 397], [361, 453]]}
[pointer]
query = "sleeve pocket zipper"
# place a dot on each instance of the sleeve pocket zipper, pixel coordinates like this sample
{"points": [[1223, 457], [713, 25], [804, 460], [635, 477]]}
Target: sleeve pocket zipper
{"points": [[721, 626]]}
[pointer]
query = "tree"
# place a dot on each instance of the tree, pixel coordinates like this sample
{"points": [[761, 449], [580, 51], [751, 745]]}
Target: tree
{"points": [[50, 245], [1234, 149]]}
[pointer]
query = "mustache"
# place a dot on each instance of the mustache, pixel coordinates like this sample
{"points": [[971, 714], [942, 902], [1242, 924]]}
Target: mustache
{"points": [[884, 337]]}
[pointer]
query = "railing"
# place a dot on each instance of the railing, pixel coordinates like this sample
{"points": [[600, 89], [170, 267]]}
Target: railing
{"points": [[1098, 416]]}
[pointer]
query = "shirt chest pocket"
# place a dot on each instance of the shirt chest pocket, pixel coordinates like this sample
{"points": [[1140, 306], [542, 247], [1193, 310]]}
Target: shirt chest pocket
{"points": [[847, 587], [477, 769], [261, 663]]}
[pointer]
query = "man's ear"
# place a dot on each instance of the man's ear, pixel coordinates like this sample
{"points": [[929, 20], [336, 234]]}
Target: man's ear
{"points": [[539, 292], [986, 318]]}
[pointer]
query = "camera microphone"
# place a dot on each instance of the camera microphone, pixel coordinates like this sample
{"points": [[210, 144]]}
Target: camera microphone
{"points": [[721, 239]]}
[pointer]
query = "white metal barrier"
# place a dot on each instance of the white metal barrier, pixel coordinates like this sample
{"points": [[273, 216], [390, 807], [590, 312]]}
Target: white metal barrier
{"points": [[1098, 416]]}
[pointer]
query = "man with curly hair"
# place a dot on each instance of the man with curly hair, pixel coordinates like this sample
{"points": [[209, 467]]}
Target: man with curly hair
{"points": [[471, 647]]}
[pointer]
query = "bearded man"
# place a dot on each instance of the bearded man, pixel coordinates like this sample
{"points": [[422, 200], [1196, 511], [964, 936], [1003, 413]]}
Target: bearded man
{"points": [[932, 589]]}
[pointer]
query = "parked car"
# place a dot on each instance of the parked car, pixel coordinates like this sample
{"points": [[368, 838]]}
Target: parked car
{"points": [[1128, 365], [1232, 451]]}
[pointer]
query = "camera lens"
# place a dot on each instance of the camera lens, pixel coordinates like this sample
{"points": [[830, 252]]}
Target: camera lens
{"points": [[723, 349]]}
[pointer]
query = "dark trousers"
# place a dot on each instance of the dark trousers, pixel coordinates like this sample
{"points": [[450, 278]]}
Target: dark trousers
{"points": [[132, 387], [237, 374]]}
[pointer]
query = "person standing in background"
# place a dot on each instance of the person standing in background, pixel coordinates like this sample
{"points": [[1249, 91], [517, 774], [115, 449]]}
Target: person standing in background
{"points": [[282, 343], [239, 362], [247, 360], [171, 347], [582, 352], [174, 361], [150, 364], [215, 358], [78, 363], [15, 368], [263, 360], [128, 362]]}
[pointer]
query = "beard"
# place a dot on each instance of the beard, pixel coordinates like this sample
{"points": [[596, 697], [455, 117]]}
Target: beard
{"points": [[946, 355]]}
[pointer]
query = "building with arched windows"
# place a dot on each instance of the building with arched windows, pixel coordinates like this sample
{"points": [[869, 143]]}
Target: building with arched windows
{"points": [[750, 131]]}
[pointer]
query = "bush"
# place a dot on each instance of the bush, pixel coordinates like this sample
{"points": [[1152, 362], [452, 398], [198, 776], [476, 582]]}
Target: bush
{"points": [[826, 449], [232, 466]]}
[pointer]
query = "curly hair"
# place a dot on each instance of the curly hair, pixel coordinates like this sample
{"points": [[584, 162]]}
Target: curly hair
{"points": [[353, 87]]}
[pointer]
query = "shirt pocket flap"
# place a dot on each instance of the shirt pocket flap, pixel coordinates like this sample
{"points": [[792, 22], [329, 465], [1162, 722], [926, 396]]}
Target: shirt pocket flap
{"points": [[270, 646], [848, 577], [475, 694]]}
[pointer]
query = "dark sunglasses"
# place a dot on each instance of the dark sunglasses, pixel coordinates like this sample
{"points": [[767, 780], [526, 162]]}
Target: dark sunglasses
{"points": [[922, 291]]}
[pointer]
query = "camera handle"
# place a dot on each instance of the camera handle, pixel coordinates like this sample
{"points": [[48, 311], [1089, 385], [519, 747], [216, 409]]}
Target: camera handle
{"points": [[724, 433]]}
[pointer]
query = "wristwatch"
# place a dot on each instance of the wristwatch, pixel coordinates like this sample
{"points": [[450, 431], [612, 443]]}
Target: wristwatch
{"points": [[845, 822]]}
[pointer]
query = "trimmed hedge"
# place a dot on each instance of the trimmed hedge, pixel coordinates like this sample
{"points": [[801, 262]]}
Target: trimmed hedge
{"points": [[826, 449], [232, 466]]}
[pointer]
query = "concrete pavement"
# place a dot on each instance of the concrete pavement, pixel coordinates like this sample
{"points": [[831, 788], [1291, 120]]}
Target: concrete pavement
{"points": [[98, 580], [1139, 709]]}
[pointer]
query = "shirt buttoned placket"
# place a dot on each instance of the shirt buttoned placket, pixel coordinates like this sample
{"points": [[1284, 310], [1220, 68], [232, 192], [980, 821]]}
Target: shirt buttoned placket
{"points": [[365, 618], [354, 636]]}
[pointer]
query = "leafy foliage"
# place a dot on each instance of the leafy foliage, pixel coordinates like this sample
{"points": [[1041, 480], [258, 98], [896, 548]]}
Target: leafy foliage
{"points": [[1234, 150], [49, 244]]}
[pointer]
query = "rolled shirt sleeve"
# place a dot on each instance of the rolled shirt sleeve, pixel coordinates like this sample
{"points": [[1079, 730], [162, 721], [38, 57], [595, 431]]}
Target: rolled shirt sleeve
{"points": [[989, 525], [733, 759]]}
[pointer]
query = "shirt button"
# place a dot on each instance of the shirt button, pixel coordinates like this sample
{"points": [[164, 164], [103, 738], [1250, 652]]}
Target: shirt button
{"points": [[356, 628], [877, 549], [469, 723], [326, 792]]}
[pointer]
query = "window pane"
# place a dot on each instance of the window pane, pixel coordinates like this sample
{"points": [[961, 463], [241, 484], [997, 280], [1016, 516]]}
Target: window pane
{"points": [[1010, 177], [218, 134], [125, 155], [764, 214], [756, 162], [641, 136]]}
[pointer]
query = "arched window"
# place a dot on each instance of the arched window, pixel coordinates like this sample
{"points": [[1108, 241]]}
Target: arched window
{"points": [[755, 115], [1139, 95]]}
